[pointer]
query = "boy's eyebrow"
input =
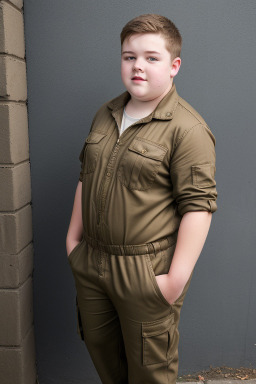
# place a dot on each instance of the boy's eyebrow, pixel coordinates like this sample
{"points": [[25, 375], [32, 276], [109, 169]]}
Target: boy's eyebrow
{"points": [[154, 52]]}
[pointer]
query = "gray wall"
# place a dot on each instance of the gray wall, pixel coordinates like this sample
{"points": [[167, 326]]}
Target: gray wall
{"points": [[73, 60]]}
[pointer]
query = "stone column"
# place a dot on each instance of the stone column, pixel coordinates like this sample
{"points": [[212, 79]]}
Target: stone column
{"points": [[17, 345]]}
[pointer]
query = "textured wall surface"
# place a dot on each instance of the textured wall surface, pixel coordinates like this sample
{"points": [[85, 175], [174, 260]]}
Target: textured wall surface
{"points": [[73, 66], [17, 344]]}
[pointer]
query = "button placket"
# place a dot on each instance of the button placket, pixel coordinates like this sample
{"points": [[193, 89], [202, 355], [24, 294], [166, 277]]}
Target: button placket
{"points": [[106, 182]]}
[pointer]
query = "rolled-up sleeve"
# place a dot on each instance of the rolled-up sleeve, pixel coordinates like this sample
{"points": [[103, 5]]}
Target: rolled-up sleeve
{"points": [[192, 171]]}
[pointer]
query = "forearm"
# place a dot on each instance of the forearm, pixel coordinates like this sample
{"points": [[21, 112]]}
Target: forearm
{"points": [[192, 234], [75, 229]]}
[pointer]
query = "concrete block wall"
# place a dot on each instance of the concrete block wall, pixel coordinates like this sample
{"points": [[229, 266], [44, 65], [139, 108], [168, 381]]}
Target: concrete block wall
{"points": [[17, 343]]}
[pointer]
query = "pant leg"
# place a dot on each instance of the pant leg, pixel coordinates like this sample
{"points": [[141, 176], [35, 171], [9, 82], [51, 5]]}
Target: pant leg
{"points": [[99, 319], [131, 331], [149, 323]]}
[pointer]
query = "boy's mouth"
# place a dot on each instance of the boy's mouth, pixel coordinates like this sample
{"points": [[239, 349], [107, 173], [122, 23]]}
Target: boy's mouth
{"points": [[138, 78]]}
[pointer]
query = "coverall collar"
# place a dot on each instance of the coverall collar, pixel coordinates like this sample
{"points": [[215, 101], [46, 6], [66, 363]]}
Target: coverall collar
{"points": [[163, 111]]}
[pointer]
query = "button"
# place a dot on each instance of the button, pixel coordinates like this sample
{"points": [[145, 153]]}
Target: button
{"points": [[143, 150], [168, 114], [108, 174]]}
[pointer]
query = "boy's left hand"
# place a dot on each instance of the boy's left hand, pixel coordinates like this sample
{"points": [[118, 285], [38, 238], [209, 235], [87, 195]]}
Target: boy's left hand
{"points": [[169, 289], [193, 230]]}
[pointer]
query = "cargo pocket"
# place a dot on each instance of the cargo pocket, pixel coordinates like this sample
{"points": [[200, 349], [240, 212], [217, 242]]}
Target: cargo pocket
{"points": [[140, 164], [79, 322], [93, 145], [157, 266], [160, 340]]}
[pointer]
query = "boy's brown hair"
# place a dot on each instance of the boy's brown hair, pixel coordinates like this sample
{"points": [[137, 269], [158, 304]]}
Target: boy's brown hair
{"points": [[152, 23]]}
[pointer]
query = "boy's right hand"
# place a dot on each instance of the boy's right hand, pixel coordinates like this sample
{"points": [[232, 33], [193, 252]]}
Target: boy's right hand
{"points": [[71, 246], [75, 229]]}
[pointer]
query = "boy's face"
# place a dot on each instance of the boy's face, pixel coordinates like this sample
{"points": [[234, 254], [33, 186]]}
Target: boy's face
{"points": [[146, 66]]}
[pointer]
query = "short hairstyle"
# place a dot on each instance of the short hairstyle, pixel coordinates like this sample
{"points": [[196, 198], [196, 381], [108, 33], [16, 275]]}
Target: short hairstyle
{"points": [[152, 23]]}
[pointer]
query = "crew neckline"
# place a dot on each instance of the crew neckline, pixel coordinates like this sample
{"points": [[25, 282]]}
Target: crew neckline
{"points": [[130, 117]]}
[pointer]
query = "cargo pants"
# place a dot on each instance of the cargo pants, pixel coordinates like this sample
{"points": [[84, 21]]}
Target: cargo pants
{"points": [[129, 328]]}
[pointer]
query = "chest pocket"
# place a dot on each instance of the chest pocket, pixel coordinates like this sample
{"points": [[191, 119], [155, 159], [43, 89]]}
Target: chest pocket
{"points": [[140, 164], [93, 145]]}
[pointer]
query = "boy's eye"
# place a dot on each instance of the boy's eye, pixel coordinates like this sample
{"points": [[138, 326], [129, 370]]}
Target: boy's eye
{"points": [[129, 58]]}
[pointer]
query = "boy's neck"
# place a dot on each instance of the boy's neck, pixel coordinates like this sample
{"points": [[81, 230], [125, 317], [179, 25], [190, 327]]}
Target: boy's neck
{"points": [[139, 109]]}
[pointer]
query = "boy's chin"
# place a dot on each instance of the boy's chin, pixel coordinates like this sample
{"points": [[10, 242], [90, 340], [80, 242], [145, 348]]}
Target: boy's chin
{"points": [[143, 97], [140, 95], [140, 98]]}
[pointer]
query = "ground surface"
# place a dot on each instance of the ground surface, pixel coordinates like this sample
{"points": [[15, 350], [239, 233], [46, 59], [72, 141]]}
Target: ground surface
{"points": [[220, 373]]}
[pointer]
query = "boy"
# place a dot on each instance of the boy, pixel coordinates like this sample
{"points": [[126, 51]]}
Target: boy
{"points": [[142, 211]]}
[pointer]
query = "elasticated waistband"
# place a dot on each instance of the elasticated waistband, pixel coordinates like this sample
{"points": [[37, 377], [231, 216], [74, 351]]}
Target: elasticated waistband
{"points": [[129, 250]]}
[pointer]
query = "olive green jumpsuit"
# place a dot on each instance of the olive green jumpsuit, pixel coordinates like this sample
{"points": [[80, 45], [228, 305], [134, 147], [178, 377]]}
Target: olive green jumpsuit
{"points": [[135, 189]]}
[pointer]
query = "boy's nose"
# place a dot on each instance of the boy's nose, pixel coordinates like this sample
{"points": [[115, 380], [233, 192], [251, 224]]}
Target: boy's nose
{"points": [[138, 66]]}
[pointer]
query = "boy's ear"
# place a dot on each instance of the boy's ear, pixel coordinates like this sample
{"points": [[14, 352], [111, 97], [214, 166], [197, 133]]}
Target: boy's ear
{"points": [[175, 66]]}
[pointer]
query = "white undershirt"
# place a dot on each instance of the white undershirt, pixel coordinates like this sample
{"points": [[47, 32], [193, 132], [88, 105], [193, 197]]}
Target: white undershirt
{"points": [[127, 121]]}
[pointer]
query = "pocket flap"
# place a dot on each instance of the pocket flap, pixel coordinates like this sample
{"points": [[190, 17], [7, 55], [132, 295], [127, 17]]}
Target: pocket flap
{"points": [[148, 149], [157, 327], [203, 175], [95, 137]]}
